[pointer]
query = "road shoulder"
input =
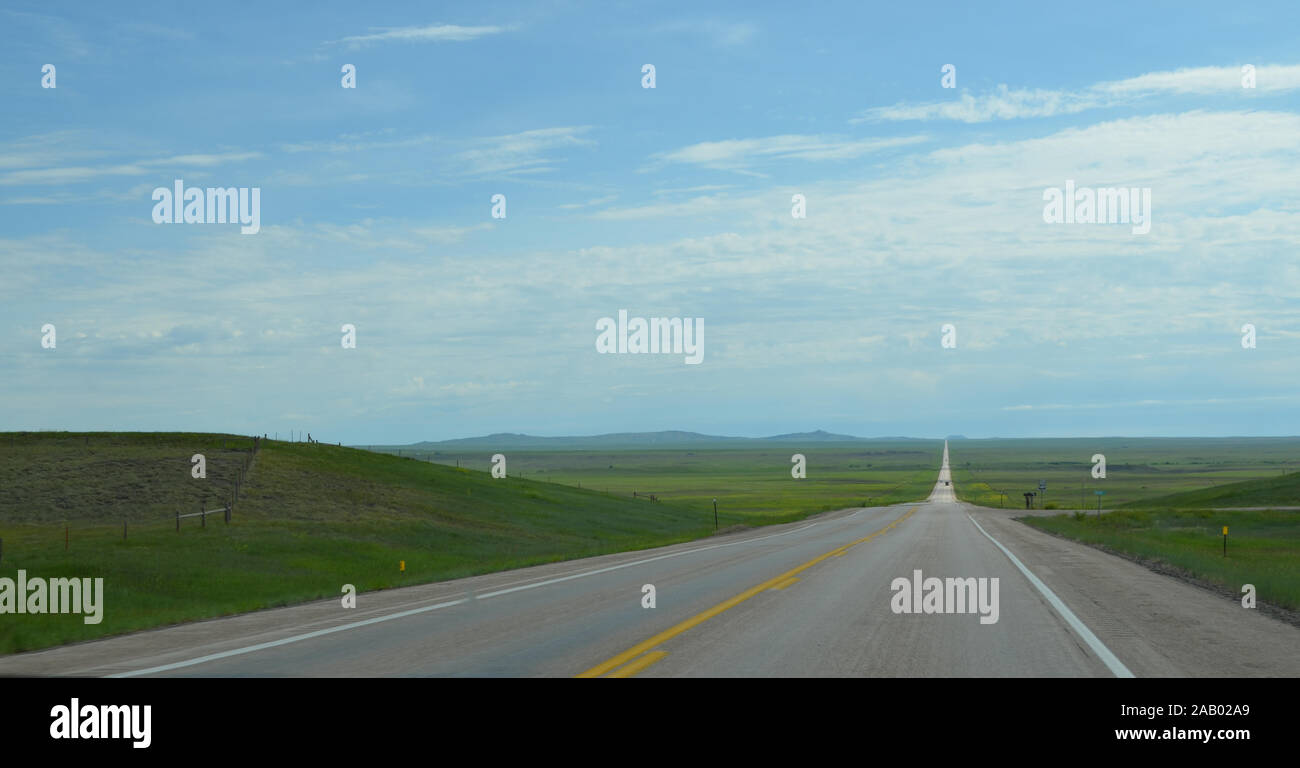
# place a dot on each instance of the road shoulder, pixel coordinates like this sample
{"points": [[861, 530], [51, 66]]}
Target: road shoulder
{"points": [[1158, 625]]}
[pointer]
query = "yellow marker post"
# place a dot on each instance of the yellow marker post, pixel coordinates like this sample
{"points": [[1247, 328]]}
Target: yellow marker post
{"points": [[401, 566], [1225, 541]]}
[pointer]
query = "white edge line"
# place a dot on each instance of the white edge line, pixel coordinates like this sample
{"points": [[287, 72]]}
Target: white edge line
{"points": [[286, 640], [1098, 647], [427, 608]]}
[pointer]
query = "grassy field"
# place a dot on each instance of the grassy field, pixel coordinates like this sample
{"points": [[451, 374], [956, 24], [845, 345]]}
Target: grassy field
{"points": [[1137, 469], [1280, 491], [1263, 548], [52, 477], [752, 482], [313, 517]]}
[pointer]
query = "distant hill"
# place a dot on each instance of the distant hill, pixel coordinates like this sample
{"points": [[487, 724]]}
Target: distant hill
{"points": [[1279, 491], [819, 435], [505, 440], [668, 438]]}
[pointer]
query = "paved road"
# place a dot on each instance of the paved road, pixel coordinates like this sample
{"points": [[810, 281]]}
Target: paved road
{"points": [[807, 599]]}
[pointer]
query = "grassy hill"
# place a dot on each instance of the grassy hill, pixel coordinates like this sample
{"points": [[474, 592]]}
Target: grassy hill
{"points": [[58, 477], [309, 519], [1280, 491]]}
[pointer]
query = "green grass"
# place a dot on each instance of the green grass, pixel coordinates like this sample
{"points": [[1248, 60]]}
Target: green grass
{"points": [[1263, 547], [314, 517], [52, 477], [1137, 469], [753, 483], [1282, 491]]}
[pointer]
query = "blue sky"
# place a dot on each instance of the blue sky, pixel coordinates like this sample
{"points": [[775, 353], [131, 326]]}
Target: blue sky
{"points": [[924, 207]]}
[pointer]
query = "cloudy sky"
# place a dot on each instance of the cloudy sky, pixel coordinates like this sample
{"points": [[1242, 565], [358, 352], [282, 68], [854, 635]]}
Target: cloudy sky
{"points": [[924, 207]]}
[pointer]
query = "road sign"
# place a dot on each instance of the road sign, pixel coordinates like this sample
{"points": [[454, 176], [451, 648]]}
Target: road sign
{"points": [[1042, 485]]}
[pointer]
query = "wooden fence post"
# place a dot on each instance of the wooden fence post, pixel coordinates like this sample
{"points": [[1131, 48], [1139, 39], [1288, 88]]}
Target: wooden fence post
{"points": [[178, 521]]}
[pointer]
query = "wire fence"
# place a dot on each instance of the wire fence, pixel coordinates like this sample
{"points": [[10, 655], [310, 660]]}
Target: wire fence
{"points": [[41, 535]]}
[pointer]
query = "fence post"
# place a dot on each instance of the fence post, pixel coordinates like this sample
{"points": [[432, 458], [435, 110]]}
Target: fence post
{"points": [[178, 521], [203, 517], [227, 515]]}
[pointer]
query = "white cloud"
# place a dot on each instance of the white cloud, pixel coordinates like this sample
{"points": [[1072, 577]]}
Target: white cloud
{"points": [[522, 152], [1004, 103], [739, 154], [434, 33], [951, 235], [595, 201], [83, 173], [696, 206], [526, 152], [1151, 403], [721, 33]]}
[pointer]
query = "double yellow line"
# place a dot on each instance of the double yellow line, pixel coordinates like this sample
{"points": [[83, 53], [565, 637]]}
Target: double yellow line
{"points": [[779, 582]]}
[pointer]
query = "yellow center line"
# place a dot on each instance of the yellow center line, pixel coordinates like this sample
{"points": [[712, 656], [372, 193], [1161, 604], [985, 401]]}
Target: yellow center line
{"points": [[704, 616], [786, 583], [638, 665]]}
